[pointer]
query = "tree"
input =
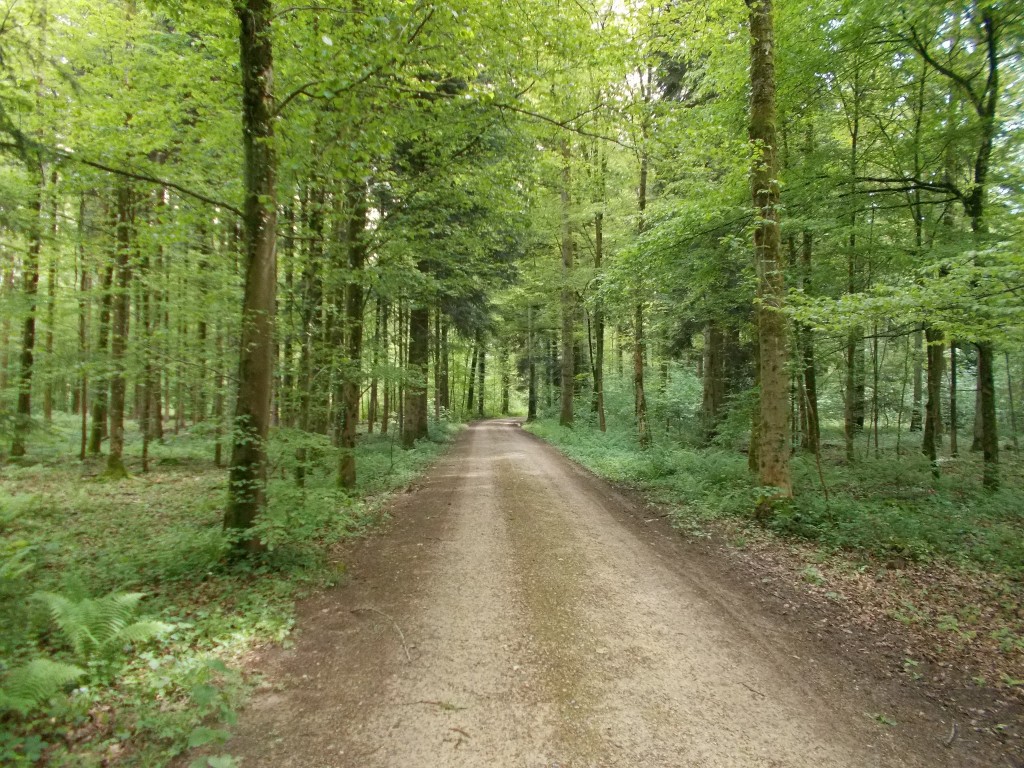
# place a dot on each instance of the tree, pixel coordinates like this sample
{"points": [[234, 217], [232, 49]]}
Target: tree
{"points": [[251, 424], [773, 424]]}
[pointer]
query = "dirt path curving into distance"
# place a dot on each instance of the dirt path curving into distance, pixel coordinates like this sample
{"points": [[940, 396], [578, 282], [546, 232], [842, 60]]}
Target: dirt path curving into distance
{"points": [[519, 612]]}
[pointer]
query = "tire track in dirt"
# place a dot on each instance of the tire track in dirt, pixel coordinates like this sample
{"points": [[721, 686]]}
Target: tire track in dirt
{"points": [[546, 629]]}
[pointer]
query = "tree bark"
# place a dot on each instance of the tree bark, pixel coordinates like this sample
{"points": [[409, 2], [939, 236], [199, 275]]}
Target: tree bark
{"points": [[599, 321], [85, 285], [933, 406], [567, 380], [643, 430], [916, 412], [351, 375], [248, 472], [482, 382], [51, 298], [119, 331], [954, 448], [531, 406], [30, 290], [773, 455], [415, 427], [444, 386], [471, 381], [713, 399], [812, 432]]}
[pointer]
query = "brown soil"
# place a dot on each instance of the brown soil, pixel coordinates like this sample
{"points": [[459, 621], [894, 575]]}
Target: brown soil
{"points": [[518, 611]]}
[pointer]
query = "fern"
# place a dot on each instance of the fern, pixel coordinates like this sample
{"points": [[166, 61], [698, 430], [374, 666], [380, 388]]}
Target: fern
{"points": [[100, 627], [34, 683]]}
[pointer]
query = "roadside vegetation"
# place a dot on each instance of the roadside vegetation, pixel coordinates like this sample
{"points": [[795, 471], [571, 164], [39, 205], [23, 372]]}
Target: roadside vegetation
{"points": [[125, 617], [943, 557]]}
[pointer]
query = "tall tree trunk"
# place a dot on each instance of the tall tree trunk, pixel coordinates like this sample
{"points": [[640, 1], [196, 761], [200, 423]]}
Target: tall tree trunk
{"points": [[101, 382], [248, 472], [773, 453], [506, 381], [30, 289], [954, 448], [51, 297], [933, 407], [471, 380], [374, 407], [989, 430], [443, 378], [482, 382], [812, 432], [438, 383], [85, 285], [714, 379], [567, 380], [385, 410], [643, 430], [415, 427], [119, 331], [531, 406], [917, 412], [352, 378], [598, 357]]}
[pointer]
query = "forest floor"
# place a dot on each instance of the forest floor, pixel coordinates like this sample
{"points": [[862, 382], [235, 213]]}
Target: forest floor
{"points": [[519, 611]]}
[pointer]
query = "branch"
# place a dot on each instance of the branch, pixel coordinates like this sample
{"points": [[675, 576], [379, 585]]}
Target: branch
{"points": [[565, 125], [315, 8], [908, 184], [152, 180], [300, 91], [919, 46], [422, 24]]}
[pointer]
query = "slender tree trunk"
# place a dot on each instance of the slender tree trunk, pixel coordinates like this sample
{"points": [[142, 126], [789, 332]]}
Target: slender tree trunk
{"points": [[713, 380], [639, 354], [1009, 395], [443, 377], [415, 427], [85, 285], [30, 289], [51, 298], [989, 431], [567, 380], [812, 433], [248, 472], [218, 401], [599, 322], [531, 407], [933, 407], [506, 381], [438, 383], [482, 383], [100, 399], [352, 378], [471, 378], [954, 448], [916, 412], [773, 455], [119, 331], [643, 429], [385, 410], [371, 416]]}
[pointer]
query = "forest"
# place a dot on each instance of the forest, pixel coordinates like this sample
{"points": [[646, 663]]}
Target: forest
{"points": [[761, 261]]}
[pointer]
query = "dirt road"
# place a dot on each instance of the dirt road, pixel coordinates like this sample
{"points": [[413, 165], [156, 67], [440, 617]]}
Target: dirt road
{"points": [[520, 612]]}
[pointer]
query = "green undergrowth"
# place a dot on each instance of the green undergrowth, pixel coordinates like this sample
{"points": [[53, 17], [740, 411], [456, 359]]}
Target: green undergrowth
{"points": [[168, 677], [884, 508]]}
